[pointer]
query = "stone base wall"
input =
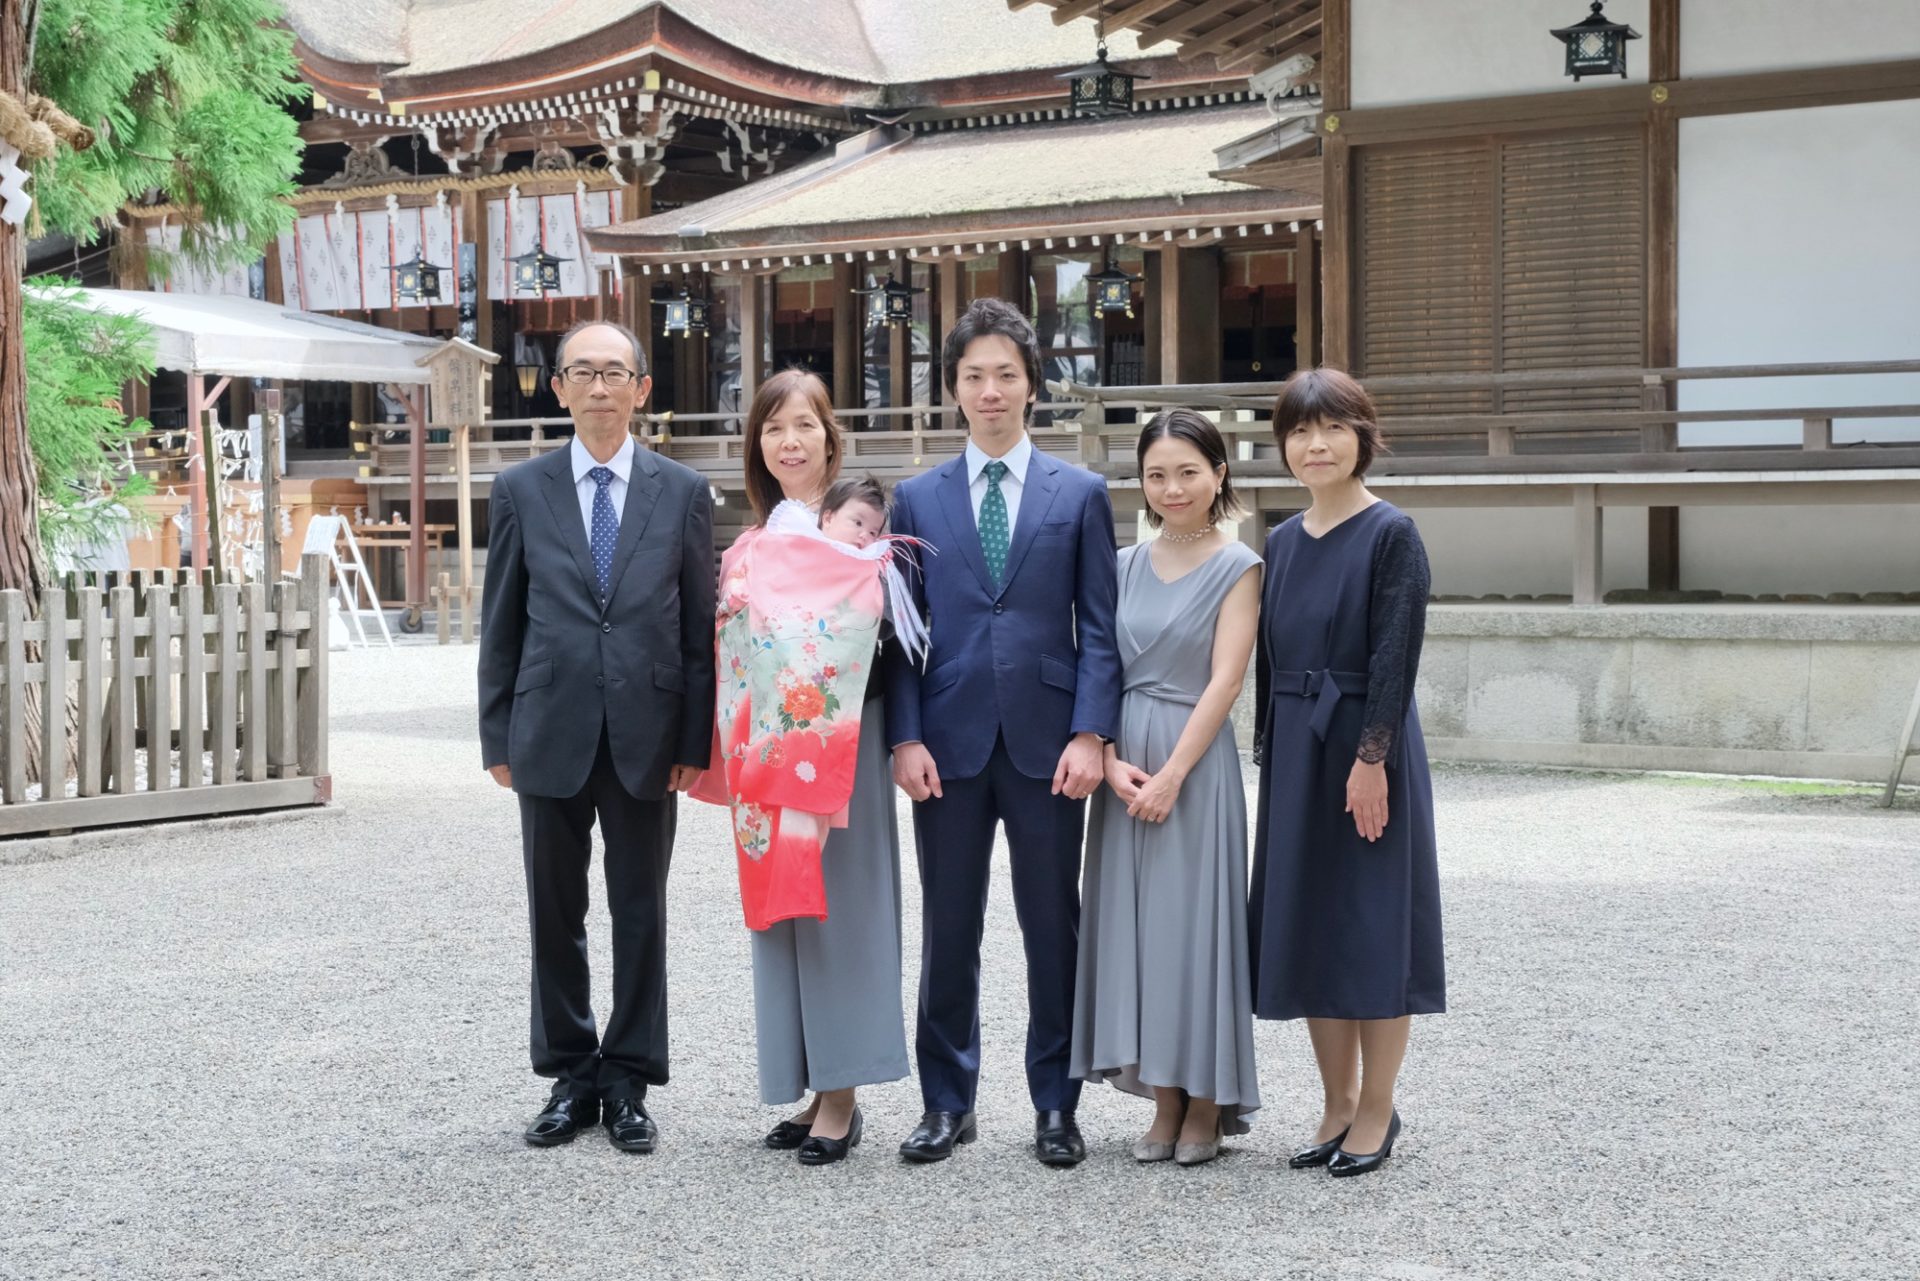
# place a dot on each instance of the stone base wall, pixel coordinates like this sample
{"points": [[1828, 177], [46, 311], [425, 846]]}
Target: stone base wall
{"points": [[1813, 692]]}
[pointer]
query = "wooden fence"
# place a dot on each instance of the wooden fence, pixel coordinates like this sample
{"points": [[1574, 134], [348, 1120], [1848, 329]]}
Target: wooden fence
{"points": [[163, 696]]}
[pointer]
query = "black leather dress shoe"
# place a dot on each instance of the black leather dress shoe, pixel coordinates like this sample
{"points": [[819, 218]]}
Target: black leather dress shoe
{"points": [[821, 1151], [1346, 1164], [629, 1128], [562, 1120], [788, 1135], [934, 1137], [1318, 1154], [1056, 1139]]}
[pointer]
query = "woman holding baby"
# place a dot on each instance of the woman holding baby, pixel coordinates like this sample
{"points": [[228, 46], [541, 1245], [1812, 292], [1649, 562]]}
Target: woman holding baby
{"points": [[826, 988]]}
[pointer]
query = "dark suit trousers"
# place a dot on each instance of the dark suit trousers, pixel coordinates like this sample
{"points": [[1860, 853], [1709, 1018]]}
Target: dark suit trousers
{"points": [[954, 834], [556, 836]]}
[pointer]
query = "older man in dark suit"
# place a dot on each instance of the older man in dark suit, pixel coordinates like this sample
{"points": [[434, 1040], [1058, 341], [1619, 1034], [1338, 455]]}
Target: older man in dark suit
{"points": [[596, 704]]}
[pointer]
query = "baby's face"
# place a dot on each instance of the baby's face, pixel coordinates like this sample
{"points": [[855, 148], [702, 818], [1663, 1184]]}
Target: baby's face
{"points": [[856, 523]]}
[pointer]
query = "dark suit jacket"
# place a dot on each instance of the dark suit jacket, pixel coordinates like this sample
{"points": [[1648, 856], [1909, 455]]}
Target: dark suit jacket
{"points": [[1034, 659], [555, 667]]}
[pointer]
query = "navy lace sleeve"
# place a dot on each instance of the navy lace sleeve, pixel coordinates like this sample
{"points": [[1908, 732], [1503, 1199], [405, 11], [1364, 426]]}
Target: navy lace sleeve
{"points": [[1396, 623]]}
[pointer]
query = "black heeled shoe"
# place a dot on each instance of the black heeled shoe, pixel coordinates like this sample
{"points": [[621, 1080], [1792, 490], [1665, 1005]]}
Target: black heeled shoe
{"points": [[1346, 1164], [819, 1151], [1318, 1154], [788, 1135]]}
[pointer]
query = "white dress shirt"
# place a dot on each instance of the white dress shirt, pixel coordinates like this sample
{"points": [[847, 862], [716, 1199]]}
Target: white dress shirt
{"points": [[1011, 484], [621, 465]]}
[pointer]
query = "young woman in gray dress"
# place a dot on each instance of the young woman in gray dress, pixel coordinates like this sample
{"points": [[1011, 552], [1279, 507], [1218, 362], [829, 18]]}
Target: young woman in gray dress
{"points": [[1163, 1002], [826, 994], [1346, 885]]}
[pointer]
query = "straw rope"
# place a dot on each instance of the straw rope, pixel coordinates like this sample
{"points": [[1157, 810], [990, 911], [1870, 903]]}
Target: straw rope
{"points": [[36, 127]]}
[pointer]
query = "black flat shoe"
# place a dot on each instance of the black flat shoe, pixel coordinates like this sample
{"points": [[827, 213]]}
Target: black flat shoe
{"points": [[562, 1120], [819, 1151], [934, 1138], [788, 1135], [1318, 1154], [629, 1128], [1345, 1164], [1056, 1139]]}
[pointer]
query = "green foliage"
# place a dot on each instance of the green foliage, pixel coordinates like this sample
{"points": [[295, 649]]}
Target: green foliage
{"points": [[192, 96], [78, 360]]}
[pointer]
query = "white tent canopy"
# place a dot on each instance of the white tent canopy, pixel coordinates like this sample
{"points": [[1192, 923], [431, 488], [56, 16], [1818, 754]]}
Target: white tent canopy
{"points": [[242, 338]]}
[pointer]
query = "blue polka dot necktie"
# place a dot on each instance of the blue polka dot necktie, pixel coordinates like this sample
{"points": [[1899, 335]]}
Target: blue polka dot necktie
{"points": [[994, 531], [606, 528]]}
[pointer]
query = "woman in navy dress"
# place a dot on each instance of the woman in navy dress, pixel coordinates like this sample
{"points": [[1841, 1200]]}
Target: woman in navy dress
{"points": [[1345, 917]]}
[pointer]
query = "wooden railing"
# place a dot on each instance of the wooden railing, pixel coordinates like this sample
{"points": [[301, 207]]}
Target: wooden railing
{"points": [[163, 696]]}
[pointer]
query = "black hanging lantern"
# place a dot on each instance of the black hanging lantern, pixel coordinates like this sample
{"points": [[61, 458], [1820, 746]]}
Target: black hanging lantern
{"points": [[1100, 89], [686, 315], [1113, 290], [537, 272], [417, 279], [890, 302], [1596, 47]]}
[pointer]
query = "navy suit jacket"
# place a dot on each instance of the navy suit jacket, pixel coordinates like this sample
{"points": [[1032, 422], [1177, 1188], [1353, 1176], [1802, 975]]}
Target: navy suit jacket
{"points": [[556, 665], [1033, 660]]}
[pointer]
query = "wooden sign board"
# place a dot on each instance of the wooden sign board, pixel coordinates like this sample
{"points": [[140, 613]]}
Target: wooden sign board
{"points": [[457, 391]]}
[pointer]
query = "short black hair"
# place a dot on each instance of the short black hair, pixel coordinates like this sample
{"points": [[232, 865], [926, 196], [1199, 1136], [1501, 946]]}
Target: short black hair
{"points": [[854, 489], [988, 317], [1329, 396], [1196, 430], [581, 326]]}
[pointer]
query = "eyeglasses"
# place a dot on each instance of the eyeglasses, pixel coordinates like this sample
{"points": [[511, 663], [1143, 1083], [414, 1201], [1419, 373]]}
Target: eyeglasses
{"points": [[582, 375]]}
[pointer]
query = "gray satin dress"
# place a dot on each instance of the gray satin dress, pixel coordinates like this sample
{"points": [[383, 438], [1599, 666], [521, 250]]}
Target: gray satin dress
{"points": [[1164, 997]]}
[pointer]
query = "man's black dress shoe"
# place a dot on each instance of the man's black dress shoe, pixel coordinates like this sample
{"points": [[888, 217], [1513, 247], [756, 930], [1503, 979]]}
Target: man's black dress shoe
{"points": [[788, 1135], [934, 1137], [1345, 1164], [1056, 1139], [629, 1128], [1318, 1154], [820, 1151], [562, 1120]]}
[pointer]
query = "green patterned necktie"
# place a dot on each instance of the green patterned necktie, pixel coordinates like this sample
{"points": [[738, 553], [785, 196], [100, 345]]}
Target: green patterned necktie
{"points": [[994, 534]]}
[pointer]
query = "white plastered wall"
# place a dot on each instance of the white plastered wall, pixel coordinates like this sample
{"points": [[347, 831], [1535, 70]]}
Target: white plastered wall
{"points": [[1408, 51], [1725, 37]]}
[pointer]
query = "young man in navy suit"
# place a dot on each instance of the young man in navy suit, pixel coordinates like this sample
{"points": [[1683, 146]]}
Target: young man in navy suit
{"points": [[1005, 723]]}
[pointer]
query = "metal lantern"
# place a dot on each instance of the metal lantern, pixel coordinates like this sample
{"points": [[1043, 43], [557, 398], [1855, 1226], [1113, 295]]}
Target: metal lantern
{"points": [[686, 315], [529, 362], [1113, 289], [1596, 47], [417, 279], [537, 272], [1099, 89], [890, 302]]}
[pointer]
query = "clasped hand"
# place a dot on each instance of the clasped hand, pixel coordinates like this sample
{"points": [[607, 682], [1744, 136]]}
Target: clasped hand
{"points": [[1148, 797], [1367, 798]]}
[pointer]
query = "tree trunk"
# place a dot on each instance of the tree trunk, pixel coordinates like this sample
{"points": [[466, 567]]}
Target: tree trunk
{"points": [[21, 565]]}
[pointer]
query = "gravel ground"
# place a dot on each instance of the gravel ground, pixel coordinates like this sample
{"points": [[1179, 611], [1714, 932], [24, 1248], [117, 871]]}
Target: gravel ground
{"points": [[1681, 1046]]}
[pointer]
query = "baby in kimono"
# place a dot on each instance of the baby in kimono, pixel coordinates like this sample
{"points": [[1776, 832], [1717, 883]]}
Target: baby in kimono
{"points": [[854, 511]]}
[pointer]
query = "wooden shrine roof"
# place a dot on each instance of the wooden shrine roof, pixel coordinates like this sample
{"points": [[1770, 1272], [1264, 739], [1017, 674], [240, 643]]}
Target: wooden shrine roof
{"points": [[1148, 173]]}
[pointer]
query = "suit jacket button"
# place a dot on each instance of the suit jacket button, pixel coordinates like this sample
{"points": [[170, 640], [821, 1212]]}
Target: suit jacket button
{"points": [[606, 627], [999, 607], [599, 680]]}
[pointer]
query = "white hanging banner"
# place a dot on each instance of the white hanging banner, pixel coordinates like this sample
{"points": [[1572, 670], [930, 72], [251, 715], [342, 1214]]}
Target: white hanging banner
{"points": [[189, 277]]}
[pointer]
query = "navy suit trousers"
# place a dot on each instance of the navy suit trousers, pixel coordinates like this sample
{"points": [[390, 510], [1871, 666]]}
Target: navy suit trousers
{"points": [[954, 834]]}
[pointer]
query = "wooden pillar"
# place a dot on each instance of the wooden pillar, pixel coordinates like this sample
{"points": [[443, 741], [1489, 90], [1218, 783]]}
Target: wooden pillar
{"points": [[1663, 282], [753, 340], [636, 309], [1013, 277], [1587, 567], [1306, 299], [1337, 247], [1156, 293], [197, 465], [946, 296], [848, 313], [1189, 315], [416, 401]]}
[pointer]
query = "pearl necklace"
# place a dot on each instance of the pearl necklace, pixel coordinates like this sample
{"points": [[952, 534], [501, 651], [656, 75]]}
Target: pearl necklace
{"points": [[1194, 537]]}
